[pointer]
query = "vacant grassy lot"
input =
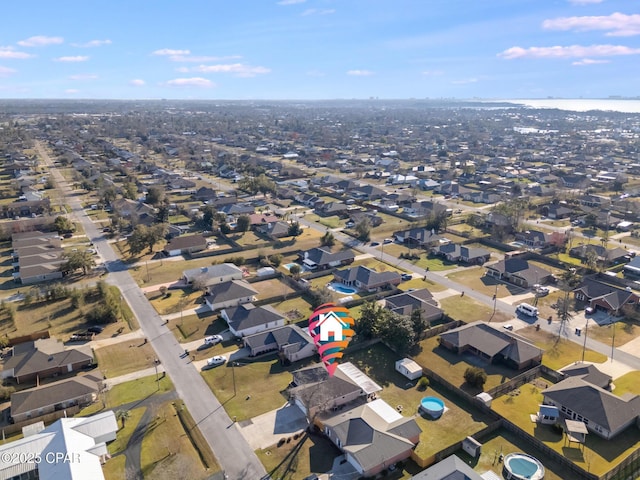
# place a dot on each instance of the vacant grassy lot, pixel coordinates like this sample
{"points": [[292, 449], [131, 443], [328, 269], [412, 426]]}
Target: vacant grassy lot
{"points": [[625, 331], [259, 385], [475, 279], [378, 362], [331, 222], [271, 288], [125, 357], [299, 458], [470, 310], [175, 300], [559, 352], [192, 327], [249, 238], [598, 456]]}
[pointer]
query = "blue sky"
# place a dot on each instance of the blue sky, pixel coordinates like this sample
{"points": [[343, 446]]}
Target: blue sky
{"points": [[319, 49]]}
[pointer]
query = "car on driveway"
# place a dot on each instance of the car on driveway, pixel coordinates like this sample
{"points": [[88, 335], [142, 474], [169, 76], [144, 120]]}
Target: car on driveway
{"points": [[387, 241], [508, 326], [212, 340], [589, 310], [374, 244], [215, 361]]}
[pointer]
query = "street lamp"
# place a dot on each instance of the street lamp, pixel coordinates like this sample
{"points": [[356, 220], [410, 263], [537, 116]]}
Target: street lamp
{"points": [[233, 374], [156, 362], [584, 345]]}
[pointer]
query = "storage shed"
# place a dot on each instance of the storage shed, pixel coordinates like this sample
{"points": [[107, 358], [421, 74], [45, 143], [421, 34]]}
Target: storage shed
{"points": [[409, 368]]}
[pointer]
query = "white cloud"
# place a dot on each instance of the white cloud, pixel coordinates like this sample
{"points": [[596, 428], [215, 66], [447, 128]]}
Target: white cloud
{"points": [[71, 91], [83, 76], [92, 43], [40, 41], [290, 2], [572, 51], [238, 69], [137, 82], [316, 11], [465, 81], [9, 52], [432, 73], [191, 82], [171, 52], [6, 71], [360, 73], [584, 2], [77, 58], [616, 24], [589, 61]]}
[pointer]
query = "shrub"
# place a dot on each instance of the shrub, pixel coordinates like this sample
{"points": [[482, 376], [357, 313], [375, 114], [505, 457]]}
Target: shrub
{"points": [[423, 383], [276, 260], [475, 377], [5, 392]]}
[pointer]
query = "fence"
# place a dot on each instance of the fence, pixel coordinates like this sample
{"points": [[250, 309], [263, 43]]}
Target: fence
{"points": [[515, 382], [30, 337], [47, 419]]}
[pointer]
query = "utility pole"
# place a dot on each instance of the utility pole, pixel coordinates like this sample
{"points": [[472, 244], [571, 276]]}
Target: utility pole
{"points": [[584, 345]]}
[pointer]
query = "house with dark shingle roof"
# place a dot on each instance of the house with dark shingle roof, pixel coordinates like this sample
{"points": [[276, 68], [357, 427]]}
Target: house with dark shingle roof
{"points": [[373, 436], [278, 229], [605, 414], [185, 244], [533, 238], [604, 296], [589, 373], [229, 294], [406, 303], [451, 468], [492, 345], [291, 341], [365, 278], [610, 256], [455, 252], [519, 272], [320, 258], [247, 319], [419, 237]]}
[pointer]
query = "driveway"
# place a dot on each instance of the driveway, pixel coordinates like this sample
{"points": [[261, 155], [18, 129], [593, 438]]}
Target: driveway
{"points": [[267, 429]]}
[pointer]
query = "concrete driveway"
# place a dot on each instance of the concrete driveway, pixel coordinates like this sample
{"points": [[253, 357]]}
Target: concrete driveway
{"points": [[265, 430]]}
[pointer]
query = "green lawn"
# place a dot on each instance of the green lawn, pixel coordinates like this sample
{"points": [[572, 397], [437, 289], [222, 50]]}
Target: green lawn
{"points": [[628, 383], [469, 310], [474, 279], [294, 309], [331, 222], [192, 327], [419, 283], [125, 357], [124, 434], [175, 300]]}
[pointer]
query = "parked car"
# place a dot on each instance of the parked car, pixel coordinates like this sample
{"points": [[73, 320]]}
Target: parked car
{"points": [[589, 310], [374, 244], [387, 241], [95, 329], [213, 340], [406, 276], [215, 361], [508, 326]]}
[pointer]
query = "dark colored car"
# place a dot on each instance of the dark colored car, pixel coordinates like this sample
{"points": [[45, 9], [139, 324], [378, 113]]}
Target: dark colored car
{"points": [[95, 329]]}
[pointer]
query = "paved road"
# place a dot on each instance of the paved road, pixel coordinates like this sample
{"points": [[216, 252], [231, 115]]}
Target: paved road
{"points": [[235, 456]]}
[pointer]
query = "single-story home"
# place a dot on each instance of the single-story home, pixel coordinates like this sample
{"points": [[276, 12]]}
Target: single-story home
{"points": [[610, 256], [519, 272], [229, 294], [224, 272], [185, 244], [451, 468], [365, 278], [247, 319], [419, 237], [406, 303], [455, 252], [492, 345], [320, 258], [605, 296], [291, 341], [278, 229]]}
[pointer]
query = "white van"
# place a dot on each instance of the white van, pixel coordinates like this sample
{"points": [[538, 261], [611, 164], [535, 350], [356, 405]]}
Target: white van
{"points": [[527, 309]]}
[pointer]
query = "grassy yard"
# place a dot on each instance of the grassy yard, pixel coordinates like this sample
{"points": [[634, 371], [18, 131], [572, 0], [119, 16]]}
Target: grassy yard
{"points": [[294, 309], [271, 288], [625, 331], [474, 278], [419, 283], [259, 386], [599, 455], [299, 458], [125, 357], [248, 238], [195, 326], [124, 434], [628, 383], [469, 310], [175, 300], [331, 222], [114, 469], [559, 352]]}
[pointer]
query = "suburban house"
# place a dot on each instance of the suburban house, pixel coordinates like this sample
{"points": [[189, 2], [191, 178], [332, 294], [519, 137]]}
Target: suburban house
{"points": [[311, 201], [224, 272], [320, 258], [291, 342], [373, 436], [557, 211], [610, 256], [451, 468], [365, 278], [37, 257], [605, 296], [419, 237], [332, 208], [247, 319], [424, 209], [274, 230], [81, 440], [455, 252], [43, 358], [519, 272], [256, 219], [357, 216], [185, 244], [589, 373], [314, 391], [406, 303], [133, 210], [229, 294], [492, 345], [605, 414], [35, 402], [533, 238], [632, 269]]}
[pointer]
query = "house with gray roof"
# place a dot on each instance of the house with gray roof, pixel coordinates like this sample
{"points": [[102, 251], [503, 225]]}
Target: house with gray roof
{"points": [[365, 278], [419, 237], [451, 468], [185, 244], [605, 296], [373, 436], [37, 257], [455, 252], [247, 319], [291, 342], [274, 230], [519, 272], [321, 258], [406, 303], [492, 345], [609, 256], [589, 373], [605, 414], [35, 402], [229, 294], [43, 358], [224, 272]]}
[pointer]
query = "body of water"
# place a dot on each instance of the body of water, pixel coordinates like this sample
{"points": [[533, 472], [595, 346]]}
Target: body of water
{"points": [[582, 104]]}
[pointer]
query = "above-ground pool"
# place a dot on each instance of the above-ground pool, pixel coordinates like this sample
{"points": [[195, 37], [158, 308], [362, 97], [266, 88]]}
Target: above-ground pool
{"points": [[343, 289], [432, 406], [520, 466], [303, 268]]}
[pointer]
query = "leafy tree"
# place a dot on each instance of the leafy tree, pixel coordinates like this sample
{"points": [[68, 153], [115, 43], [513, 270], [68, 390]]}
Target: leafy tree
{"points": [[368, 325], [275, 260], [123, 416], [243, 223], [328, 239], [225, 228], [162, 214], [129, 190], [80, 259], [64, 225], [155, 195], [295, 270], [108, 195], [320, 296], [294, 229], [397, 331], [476, 377], [144, 236], [418, 324], [363, 230]]}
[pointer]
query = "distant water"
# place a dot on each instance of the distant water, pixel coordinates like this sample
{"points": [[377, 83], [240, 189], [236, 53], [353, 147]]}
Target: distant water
{"points": [[583, 105]]}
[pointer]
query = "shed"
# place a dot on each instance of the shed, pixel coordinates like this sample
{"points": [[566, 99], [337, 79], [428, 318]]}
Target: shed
{"points": [[264, 271], [409, 368], [485, 398], [472, 446]]}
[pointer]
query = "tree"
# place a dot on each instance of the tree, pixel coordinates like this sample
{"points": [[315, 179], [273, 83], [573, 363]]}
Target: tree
{"points": [[123, 416], [129, 190], [155, 195], [368, 325], [162, 215], [295, 270], [320, 296], [363, 230], [64, 225], [328, 239], [80, 259], [418, 324], [476, 377], [144, 236], [243, 223], [397, 331], [294, 229]]}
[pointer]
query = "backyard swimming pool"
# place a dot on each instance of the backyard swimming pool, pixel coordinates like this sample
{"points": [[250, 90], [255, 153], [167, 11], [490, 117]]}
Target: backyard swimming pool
{"points": [[343, 289]]}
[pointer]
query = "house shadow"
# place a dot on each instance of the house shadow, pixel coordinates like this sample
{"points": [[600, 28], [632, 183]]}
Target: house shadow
{"points": [[489, 281], [574, 454], [289, 419]]}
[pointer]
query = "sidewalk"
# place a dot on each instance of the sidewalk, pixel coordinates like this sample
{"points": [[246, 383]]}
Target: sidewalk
{"points": [[147, 372], [104, 342]]}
